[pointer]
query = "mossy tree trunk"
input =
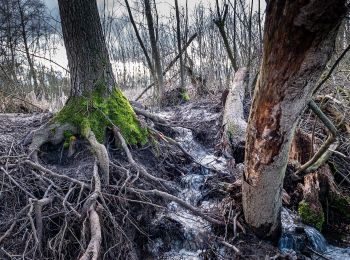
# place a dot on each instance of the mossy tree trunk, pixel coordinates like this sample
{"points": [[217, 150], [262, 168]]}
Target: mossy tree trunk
{"points": [[95, 102], [298, 42]]}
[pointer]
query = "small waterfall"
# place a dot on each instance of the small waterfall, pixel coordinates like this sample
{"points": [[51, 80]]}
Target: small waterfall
{"points": [[316, 239], [299, 237]]}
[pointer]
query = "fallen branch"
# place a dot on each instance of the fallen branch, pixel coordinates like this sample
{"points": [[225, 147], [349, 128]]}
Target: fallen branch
{"points": [[329, 73], [172, 141], [21, 99], [321, 156], [229, 246]]}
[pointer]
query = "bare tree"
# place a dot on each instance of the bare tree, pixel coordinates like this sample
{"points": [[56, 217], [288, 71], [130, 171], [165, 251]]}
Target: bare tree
{"points": [[220, 23], [178, 35], [38, 92], [149, 62], [155, 49]]}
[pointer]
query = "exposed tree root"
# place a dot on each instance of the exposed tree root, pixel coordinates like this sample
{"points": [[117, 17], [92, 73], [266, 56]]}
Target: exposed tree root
{"points": [[54, 205], [93, 250], [101, 154], [50, 132], [131, 160]]}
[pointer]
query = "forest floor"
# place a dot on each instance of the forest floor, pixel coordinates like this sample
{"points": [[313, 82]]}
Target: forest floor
{"points": [[140, 225]]}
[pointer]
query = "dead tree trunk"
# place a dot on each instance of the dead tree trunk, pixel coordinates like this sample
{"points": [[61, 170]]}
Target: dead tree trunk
{"points": [[298, 42], [234, 125]]}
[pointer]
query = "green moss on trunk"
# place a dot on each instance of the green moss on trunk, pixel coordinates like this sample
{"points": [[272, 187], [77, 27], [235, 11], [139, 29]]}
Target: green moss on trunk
{"points": [[311, 216], [90, 113]]}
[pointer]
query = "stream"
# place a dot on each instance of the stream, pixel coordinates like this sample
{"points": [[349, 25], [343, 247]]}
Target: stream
{"points": [[188, 235], [194, 231]]}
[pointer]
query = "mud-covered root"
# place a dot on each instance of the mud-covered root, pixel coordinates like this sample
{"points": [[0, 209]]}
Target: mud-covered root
{"points": [[93, 250], [49, 133], [100, 153], [56, 133]]}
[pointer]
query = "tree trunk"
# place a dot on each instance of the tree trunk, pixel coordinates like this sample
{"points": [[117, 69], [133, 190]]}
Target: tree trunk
{"points": [[95, 102], [149, 63], [85, 46], [37, 90], [178, 35], [155, 50], [298, 41], [220, 23]]}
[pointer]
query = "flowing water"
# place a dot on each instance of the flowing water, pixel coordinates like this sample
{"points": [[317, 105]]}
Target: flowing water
{"points": [[297, 236], [192, 241], [187, 239]]}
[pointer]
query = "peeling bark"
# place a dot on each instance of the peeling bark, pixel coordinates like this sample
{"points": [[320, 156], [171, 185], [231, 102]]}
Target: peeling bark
{"points": [[298, 42]]}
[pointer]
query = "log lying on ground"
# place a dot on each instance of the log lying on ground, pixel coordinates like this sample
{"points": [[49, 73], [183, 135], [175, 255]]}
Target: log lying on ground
{"points": [[234, 125]]}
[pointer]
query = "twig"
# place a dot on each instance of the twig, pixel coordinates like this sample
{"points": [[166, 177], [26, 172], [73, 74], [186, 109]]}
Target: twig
{"points": [[47, 171], [324, 79], [14, 222], [17, 184]]}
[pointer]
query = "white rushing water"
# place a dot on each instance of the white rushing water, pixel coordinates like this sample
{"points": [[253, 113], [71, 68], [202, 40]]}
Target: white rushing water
{"points": [[192, 241], [195, 230], [293, 238]]}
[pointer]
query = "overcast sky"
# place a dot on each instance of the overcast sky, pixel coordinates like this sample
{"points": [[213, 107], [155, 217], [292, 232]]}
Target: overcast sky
{"points": [[164, 8]]}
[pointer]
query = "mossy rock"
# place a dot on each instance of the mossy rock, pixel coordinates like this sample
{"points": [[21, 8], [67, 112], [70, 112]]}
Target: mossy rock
{"points": [[311, 216], [91, 112]]}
